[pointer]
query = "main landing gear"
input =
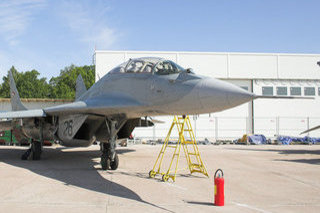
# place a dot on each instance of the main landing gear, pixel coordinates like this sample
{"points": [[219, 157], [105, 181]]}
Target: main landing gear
{"points": [[34, 152]]}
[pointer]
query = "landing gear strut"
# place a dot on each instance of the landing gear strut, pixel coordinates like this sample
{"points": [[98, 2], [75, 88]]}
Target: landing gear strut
{"points": [[34, 151], [109, 157]]}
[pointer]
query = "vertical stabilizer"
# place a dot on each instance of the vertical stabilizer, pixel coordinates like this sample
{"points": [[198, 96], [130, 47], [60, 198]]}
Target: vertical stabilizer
{"points": [[14, 95], [80, 87]]}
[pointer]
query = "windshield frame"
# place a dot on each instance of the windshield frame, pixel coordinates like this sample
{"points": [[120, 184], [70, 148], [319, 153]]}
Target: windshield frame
{"points": [[178, 69], [151, 62]]}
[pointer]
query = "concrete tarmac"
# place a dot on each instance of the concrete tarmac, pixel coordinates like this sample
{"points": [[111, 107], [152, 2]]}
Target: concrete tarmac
{"points": [[257, 179]]}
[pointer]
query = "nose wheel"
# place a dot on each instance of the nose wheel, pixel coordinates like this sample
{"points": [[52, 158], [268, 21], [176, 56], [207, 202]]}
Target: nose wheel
{"points": [[109, 157], [115, 163], [106, 158]]}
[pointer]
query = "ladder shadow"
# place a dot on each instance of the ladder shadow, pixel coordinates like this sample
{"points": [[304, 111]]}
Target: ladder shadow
{"points": [[199, 203], [191, 175]]}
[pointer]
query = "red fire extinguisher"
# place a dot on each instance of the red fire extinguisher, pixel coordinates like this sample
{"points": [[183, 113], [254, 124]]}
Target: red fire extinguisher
{"points": [[218, 189]]}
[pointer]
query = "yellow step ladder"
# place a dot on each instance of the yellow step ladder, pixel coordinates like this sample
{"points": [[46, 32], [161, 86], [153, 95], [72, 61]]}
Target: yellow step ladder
{"points": [[192, 154]]}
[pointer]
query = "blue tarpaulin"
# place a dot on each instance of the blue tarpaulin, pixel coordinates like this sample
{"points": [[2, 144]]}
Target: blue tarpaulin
{"points": [[286, 140], [257, 139]]}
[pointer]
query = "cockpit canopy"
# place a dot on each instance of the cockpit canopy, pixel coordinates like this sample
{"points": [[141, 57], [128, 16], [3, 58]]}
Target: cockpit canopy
{"points": [[158, 66]]}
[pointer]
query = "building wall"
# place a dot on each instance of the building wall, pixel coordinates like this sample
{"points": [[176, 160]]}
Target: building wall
{"points": [[251, 70], [225, 65]]}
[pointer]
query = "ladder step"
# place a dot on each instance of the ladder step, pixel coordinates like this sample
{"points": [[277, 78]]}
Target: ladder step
{"points": [[172, 146], [196, 170], [196, 165], [191, 153], [188, 142]]}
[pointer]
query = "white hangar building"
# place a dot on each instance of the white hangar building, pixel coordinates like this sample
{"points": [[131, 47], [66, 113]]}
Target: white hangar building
{"points": [[261, 73]]}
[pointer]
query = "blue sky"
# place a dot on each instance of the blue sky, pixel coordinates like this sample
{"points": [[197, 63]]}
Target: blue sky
{"points": [[49, 35]]}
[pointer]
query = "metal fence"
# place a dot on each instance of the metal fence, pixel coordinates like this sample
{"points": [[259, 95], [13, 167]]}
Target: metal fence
{"points": [[230, 128]]}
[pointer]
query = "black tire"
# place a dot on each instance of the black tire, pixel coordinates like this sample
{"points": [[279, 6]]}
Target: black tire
{"points": [[36, 150], [26, 155], [105, 162], [114, 164]]}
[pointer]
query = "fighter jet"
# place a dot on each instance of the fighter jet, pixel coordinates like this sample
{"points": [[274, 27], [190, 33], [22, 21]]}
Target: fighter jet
{"points": [[120, 101]]}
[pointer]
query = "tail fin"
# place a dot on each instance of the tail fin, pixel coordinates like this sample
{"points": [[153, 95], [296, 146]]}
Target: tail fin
{"points": [[14, 94], [80, 87]]}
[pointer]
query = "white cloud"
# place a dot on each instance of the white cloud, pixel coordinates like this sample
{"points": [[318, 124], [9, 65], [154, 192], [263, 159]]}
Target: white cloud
{"points": [[15, 16], [89, 22]]}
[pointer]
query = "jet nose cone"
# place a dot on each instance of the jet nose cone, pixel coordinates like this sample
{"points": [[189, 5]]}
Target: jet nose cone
{"points": [[217, 95], [237, 95]]}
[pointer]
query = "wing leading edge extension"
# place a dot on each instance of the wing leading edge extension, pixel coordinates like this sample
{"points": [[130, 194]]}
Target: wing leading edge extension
{"points": [[105, 105]]}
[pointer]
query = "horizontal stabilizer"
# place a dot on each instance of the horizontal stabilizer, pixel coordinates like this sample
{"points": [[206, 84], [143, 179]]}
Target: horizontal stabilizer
{"points": [[309, 130], [22, 114]]}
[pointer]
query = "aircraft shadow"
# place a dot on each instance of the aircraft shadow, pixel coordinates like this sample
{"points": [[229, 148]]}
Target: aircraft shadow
{"points": [[75, 168], [283, 151], [301, 151], [309, 161], [200, 203]]}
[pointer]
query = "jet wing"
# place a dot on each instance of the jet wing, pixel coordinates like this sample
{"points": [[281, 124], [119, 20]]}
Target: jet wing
{"points": [[100, 106], [22, 114], [309, 130]]}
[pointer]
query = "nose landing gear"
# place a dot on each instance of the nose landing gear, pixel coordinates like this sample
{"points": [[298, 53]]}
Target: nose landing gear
{"points": [[109, 158], [106, 160]]}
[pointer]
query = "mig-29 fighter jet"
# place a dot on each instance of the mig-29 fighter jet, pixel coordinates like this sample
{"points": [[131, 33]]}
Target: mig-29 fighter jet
{"points": [[119, 102]]}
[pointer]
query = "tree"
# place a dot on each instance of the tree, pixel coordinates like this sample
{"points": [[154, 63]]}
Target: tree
{"points": [[64, 85], [28, 84]]}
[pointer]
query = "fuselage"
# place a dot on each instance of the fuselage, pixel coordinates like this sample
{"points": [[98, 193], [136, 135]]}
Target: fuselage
{"points": [[169, 94]]}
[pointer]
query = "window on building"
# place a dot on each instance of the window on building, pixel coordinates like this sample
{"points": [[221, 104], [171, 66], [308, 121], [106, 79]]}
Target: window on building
{"points": [[245, 88], [282, 91], [319, 91], [295, 91], [309, 91], [267, 91]]}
